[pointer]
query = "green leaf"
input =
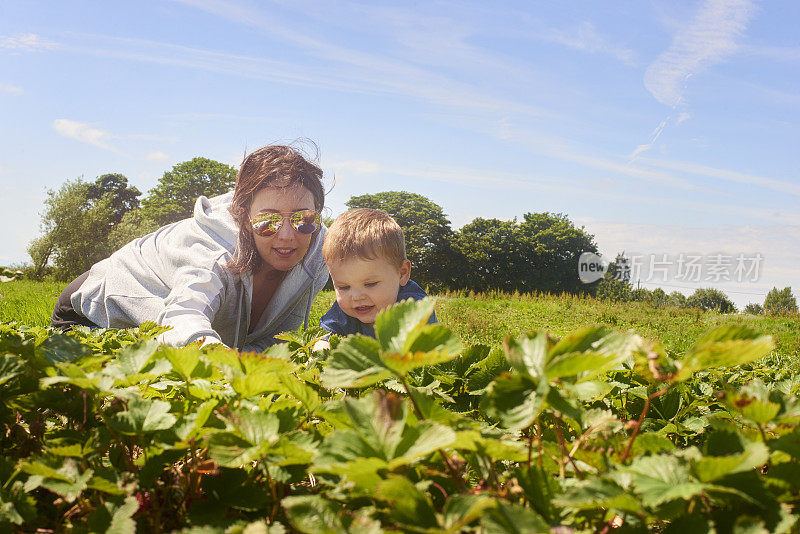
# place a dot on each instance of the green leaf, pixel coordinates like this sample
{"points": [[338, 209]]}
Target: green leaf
{"points": [[10, 368], [724, 347], [142, 416], [63, 348], [254, 384], [426, 345], [300, 391], [662, 478], [122, 517], [648, 443], [710, 468], [485, 371], [528, 354], [312, 514], [393, 324], [184, 360], [132, 359], [513, 519], [230, 450], [514, 400], [407, 504], [581, 340], [382, 428], [594, 493], [461, 510], [355, 363]]}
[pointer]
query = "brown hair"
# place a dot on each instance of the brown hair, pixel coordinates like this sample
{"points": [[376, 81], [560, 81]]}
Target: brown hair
{"points": [[270, 166], [365, 233]]}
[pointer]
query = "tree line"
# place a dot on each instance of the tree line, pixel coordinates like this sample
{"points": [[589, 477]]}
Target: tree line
{"points": [[84, 222]]}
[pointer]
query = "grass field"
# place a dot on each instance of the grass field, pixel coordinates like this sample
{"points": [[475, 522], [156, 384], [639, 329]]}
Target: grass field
{"points": [[488, 319]]}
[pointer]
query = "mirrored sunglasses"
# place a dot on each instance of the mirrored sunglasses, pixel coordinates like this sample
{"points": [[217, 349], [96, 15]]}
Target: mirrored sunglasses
{"points": [[268, 224]]}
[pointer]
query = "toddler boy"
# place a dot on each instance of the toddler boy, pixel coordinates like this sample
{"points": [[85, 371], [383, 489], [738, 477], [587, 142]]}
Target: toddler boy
{"points": [[366, 255]]}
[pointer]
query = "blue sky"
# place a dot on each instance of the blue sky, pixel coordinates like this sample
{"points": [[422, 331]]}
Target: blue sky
{"points": [[665, 127]]}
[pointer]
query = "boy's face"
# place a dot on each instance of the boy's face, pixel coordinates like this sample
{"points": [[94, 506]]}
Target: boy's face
{"points": [[365, 287]]}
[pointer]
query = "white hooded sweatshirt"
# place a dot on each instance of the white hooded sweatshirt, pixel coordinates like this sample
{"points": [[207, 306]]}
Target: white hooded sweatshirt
{"points": [[177, 277]]}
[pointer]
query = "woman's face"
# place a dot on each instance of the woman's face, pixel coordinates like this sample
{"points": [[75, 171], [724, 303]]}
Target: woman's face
{"points": [[283, 250]]}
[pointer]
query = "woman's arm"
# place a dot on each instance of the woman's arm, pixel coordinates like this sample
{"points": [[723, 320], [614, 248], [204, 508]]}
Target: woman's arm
{"points": [[191, 306]]}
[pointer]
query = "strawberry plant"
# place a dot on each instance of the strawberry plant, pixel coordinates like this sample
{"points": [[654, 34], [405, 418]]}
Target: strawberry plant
{"points": [[598, 431]]}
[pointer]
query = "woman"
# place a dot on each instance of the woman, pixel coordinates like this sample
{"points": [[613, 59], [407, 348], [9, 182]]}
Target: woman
{"points": [[245, 267]]}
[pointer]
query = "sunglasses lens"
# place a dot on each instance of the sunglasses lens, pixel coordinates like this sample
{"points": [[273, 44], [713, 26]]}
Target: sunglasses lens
{"points": [[267, 225], [305, 221]]}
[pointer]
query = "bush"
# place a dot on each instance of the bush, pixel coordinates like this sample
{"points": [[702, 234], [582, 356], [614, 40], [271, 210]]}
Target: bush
{"points": [[754, 309], [107, 430], [676, 299], [780, 301], [711, 299]]}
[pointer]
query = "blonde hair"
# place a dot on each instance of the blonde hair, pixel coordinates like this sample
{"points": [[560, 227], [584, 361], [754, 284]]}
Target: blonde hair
{"points": [[367, 234]]}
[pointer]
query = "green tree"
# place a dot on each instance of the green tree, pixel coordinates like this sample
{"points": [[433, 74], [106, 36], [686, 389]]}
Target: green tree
{"points": [[658, 298], [676, 299], [754, 309], [550, 246], [615, 285], [491, 254], [427, 231], [121, 197], [74, 231], [174, 197], [710, 299], [780, 301]]}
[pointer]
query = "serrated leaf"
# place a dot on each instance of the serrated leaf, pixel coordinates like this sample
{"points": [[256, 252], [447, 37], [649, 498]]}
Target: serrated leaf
{"points": [[724, 347], [382, 428], [300, 391], [393, 324], [407, 503], [512, 519], [132, 359], [355, 363], [528, 354], [485, 371], [710, 468], [184, 360], [254, 384], [581, 340], [461, 510], [122, 517], [587, 364], [662, 478], [594, 493], [312, 514], [514, 400], [142, 416]]}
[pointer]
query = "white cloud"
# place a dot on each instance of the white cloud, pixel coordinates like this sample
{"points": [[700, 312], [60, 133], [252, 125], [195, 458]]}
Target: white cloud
{"points": [[653, 138], [27, 43], [157, 156], [683, 117], [585, 38], [722, 174], [12, 89], [83, 132], [708, 38]]}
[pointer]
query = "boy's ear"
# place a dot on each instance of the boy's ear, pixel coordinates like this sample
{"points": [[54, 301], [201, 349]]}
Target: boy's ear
{"points": [[405, 272]]}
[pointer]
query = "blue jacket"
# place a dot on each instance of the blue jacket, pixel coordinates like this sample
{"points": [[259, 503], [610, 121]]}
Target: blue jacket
{"points": [[335, 321]]}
